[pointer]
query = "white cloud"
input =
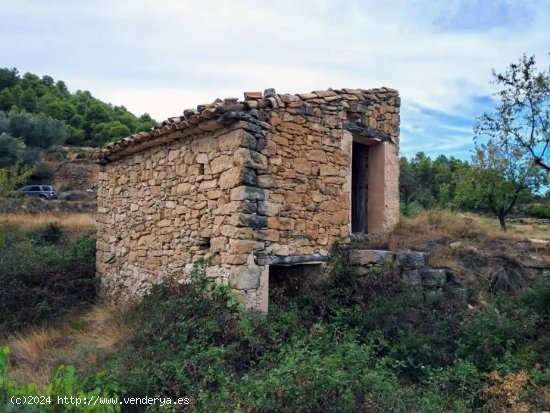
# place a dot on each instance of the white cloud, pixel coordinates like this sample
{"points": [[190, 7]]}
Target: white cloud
{"points": [[164, 56]]}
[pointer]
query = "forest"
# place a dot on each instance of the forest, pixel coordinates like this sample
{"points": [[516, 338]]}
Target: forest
{"points": [[39, 112]]}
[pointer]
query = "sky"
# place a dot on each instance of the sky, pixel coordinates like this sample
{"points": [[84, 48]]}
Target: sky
{"points": [[164, 56]]}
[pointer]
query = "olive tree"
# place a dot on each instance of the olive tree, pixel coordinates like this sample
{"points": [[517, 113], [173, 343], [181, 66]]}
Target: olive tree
{"points": [[499, 177], [521, 119]]}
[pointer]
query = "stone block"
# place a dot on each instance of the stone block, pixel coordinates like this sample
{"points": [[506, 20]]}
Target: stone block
{"points": [[267, 181], [217, 244], [268, 209], [411, 259], [250, 193], [237, 176], [266, 234], [328, 170], [235, 139], [364, 257], [235, 232], [316, 155], [250, 159], [302, 166], [245, 278], [433, 277], [220, 164], [253, 221], [234, 259], [244, 246], [280, 223]]}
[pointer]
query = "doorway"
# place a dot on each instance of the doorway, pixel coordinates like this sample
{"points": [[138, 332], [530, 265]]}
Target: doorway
{"points": [[359, 187]]}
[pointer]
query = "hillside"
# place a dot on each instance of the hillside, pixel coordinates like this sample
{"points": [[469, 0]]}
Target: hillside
{"points": [[42, 112], [347, 341]]}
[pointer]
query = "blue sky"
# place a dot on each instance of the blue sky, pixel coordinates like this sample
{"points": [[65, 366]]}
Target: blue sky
{"points": [[164, 56]]}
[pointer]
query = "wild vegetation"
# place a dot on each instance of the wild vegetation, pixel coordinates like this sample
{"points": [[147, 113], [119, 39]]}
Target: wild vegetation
{"points": [[43, 274], [38, 115], [41, 112], [344, 343]]}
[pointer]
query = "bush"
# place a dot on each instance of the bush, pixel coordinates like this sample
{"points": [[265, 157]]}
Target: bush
{"points": [[43, 276], [43, 174], [83, 155], [346, 344], [538, 211], [55, 154]]}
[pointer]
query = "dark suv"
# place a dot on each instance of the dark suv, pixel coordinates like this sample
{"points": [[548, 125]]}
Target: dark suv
{"points": [[42, 191]]}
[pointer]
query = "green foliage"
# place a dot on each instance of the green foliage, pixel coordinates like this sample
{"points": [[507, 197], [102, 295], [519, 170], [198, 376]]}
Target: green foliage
{"points": [[43, 275], [500, 178], [43, 113], [521, 120], [429, 183], [539, 211], [13, 177], [409, 209], [56, 397], [347, 344]]}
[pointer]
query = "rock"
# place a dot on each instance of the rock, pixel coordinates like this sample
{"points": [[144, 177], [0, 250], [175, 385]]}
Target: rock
{"points": [[221, 163], [269, 92], [326, 170], [533, 261], [433, 277], [411, 259], [244, 246], [245, 279], [247, 193], [363, 257], [250, 159], [280, 223], [412, 277], [266, 234]]}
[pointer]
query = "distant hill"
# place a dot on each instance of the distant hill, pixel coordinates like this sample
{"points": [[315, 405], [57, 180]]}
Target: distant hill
{"points": [[42, 112]]}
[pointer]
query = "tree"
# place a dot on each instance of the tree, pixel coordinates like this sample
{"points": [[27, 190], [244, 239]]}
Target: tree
{"points": [[13, 177], [8, 77], [500, 176], [11, 150], [522, 118]]}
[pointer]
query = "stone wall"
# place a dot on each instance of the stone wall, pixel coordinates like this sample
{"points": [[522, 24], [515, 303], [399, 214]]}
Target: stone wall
{"points": [[252, 182]]}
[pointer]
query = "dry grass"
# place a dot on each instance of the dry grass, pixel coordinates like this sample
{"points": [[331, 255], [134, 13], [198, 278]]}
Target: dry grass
{"points": [[473, 247], [436, 226], [81, 341], [75, 224]]}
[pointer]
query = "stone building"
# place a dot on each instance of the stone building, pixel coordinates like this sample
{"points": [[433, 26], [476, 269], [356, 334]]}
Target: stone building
{"points": [[257, 184]]}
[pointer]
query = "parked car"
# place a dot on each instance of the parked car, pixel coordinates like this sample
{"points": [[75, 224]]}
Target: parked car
{"points": [[41, 191]]}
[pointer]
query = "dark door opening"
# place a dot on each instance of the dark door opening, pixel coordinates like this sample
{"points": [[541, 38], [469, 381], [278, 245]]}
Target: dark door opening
{"points": [[359, 187], [290, 281]]}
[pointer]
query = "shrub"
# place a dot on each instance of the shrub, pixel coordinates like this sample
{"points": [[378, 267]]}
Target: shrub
{"points": [[347, 343], [43, 275], [539, 211], [55, 154]]}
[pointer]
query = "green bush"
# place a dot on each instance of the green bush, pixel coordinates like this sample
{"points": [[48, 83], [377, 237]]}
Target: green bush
{"points": [[347, 344], [43, 275], [539, 211]]}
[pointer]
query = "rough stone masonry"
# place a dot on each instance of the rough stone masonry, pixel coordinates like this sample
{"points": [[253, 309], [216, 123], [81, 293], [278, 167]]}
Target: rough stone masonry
{"points": [[273, 179]]}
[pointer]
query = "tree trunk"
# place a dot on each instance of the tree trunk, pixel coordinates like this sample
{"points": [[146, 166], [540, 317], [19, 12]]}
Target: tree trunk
{"points": [[501, 219]]}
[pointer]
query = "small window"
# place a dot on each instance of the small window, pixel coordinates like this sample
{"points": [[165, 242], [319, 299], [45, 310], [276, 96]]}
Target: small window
{"points": [[34, 189]]}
